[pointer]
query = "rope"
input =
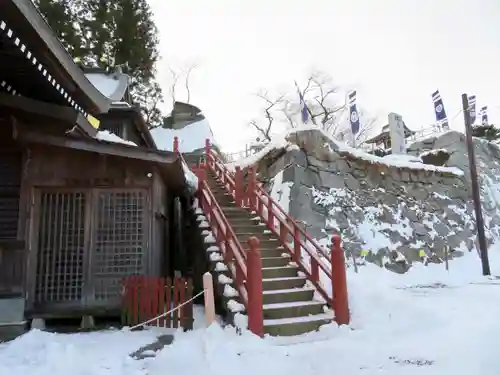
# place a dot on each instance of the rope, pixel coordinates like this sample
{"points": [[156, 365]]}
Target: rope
{"points": [[168, 312]]}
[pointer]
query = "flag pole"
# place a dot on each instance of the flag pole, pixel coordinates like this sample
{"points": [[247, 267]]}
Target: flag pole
{"points": [[475, 189], [304, 101]]}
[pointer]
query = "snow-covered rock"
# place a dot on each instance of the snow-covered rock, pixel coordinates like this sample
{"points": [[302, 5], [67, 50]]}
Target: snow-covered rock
{"points": [[391, 210]]}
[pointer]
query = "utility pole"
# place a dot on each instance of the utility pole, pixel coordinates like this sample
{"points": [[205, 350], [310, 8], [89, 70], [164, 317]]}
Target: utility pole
{"points": [[475, 189]]}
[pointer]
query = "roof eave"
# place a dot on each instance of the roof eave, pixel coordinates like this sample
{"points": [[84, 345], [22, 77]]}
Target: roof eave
{"points": [[93, 99]]}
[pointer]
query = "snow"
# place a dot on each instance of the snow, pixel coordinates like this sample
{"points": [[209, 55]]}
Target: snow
{"points": [[107, 136], [216, 257], [399, 161], [223, 279], [280, 191], [192, 137], [190, 177], [113, 86], [235, 306], [426, 322]]}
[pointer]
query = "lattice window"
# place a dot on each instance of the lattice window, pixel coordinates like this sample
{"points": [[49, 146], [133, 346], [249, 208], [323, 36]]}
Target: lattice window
{"points": [[119, 240], [113, 126], [61, 247]]}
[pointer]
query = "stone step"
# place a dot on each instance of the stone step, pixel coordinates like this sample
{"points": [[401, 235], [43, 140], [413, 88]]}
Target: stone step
{"points": [[273, 272], [268, 253], [287, 295], [247, 226], [250, 220], [263, 237], [293, 309], [296, 326], [285, 283], [233, 211], [280, 261]]}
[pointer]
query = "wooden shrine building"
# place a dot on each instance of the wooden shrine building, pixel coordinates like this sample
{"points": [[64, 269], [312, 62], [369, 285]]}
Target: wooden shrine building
{"points": [[79, 208]]}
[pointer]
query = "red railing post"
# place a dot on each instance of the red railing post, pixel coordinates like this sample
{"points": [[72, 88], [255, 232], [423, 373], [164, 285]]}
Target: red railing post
{"points": [[270, 215], [340, 300], [251, 189], [254, 288], [207, 151], [296, 244], [176, 144], [238, 186]]}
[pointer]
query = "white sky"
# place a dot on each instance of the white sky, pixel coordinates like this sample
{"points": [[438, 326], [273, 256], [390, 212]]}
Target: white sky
{"points": [[395, 53]]}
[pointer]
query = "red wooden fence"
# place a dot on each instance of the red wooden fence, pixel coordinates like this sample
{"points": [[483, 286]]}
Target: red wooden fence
{"points": [[146, 297]]}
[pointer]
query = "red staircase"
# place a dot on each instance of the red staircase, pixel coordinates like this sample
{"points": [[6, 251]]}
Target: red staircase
{"points": [[230, 208]]}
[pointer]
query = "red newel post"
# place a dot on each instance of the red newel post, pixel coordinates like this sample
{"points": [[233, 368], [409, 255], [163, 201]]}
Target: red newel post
{"points": [[176, 144], [238, 186], [251, 188], [207, 150], [340, 300], [254, 288]]}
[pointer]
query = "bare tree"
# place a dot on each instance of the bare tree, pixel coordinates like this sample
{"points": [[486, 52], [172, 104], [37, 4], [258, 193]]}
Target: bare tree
{"points": [[175, 76], [326, 105], [149, 98], [264, 127]]}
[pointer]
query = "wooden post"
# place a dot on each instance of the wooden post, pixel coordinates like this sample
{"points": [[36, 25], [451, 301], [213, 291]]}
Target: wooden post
{"points": [[207, 151], [340, 300], [296, 245], [208, 287], [270, 215], [176, 144], [252, 202], [446, 253], [254, 288], [238, 186], [476, 198]]}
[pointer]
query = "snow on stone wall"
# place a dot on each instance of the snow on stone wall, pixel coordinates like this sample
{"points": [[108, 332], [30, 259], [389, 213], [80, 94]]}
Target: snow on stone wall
{"points": [[392, 212]]}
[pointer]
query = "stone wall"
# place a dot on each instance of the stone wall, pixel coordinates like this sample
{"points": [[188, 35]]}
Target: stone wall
{"points": [[389, 214]]}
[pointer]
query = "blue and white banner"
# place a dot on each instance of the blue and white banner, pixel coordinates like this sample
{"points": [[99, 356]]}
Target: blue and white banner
{"points": [[353, 113], [472, 109], [304, 111], [484, 115], [441, 117]]}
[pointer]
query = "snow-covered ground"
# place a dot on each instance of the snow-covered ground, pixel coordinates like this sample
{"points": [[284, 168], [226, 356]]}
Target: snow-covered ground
{"points": [[428, 321]]}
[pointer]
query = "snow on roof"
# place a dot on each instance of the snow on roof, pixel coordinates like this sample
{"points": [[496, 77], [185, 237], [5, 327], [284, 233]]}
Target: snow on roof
{"points": [[401, 161], [106, 136], [113, 86], [191, 137]]}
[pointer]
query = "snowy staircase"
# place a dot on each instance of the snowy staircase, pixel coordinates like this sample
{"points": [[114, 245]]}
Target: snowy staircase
{"points": [[290, 307]]}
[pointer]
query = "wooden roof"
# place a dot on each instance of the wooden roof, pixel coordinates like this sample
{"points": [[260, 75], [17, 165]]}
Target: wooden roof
{"points": [[135, 113], [168, 163], [22, 107], [35, 64]]}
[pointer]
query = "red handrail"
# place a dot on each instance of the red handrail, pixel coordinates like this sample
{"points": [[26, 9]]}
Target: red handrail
{"points": [[246, 271], [230, 247], [256, 198], [296, 232]]}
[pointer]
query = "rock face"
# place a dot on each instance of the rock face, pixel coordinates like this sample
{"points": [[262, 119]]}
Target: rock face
{"points": [[390, 213]]}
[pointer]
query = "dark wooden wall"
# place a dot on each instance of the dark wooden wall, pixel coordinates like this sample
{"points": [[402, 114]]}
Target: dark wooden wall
{"points": [[122, 125], [12, 254], [88, 220]]}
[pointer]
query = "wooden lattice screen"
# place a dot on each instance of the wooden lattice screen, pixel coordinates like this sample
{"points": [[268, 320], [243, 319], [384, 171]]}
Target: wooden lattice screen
{"points": [[119, 240], [61, 247], [146, 297]]}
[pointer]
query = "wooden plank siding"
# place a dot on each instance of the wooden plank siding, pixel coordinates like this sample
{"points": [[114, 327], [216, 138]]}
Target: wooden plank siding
{"points": [[116, 202]]}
